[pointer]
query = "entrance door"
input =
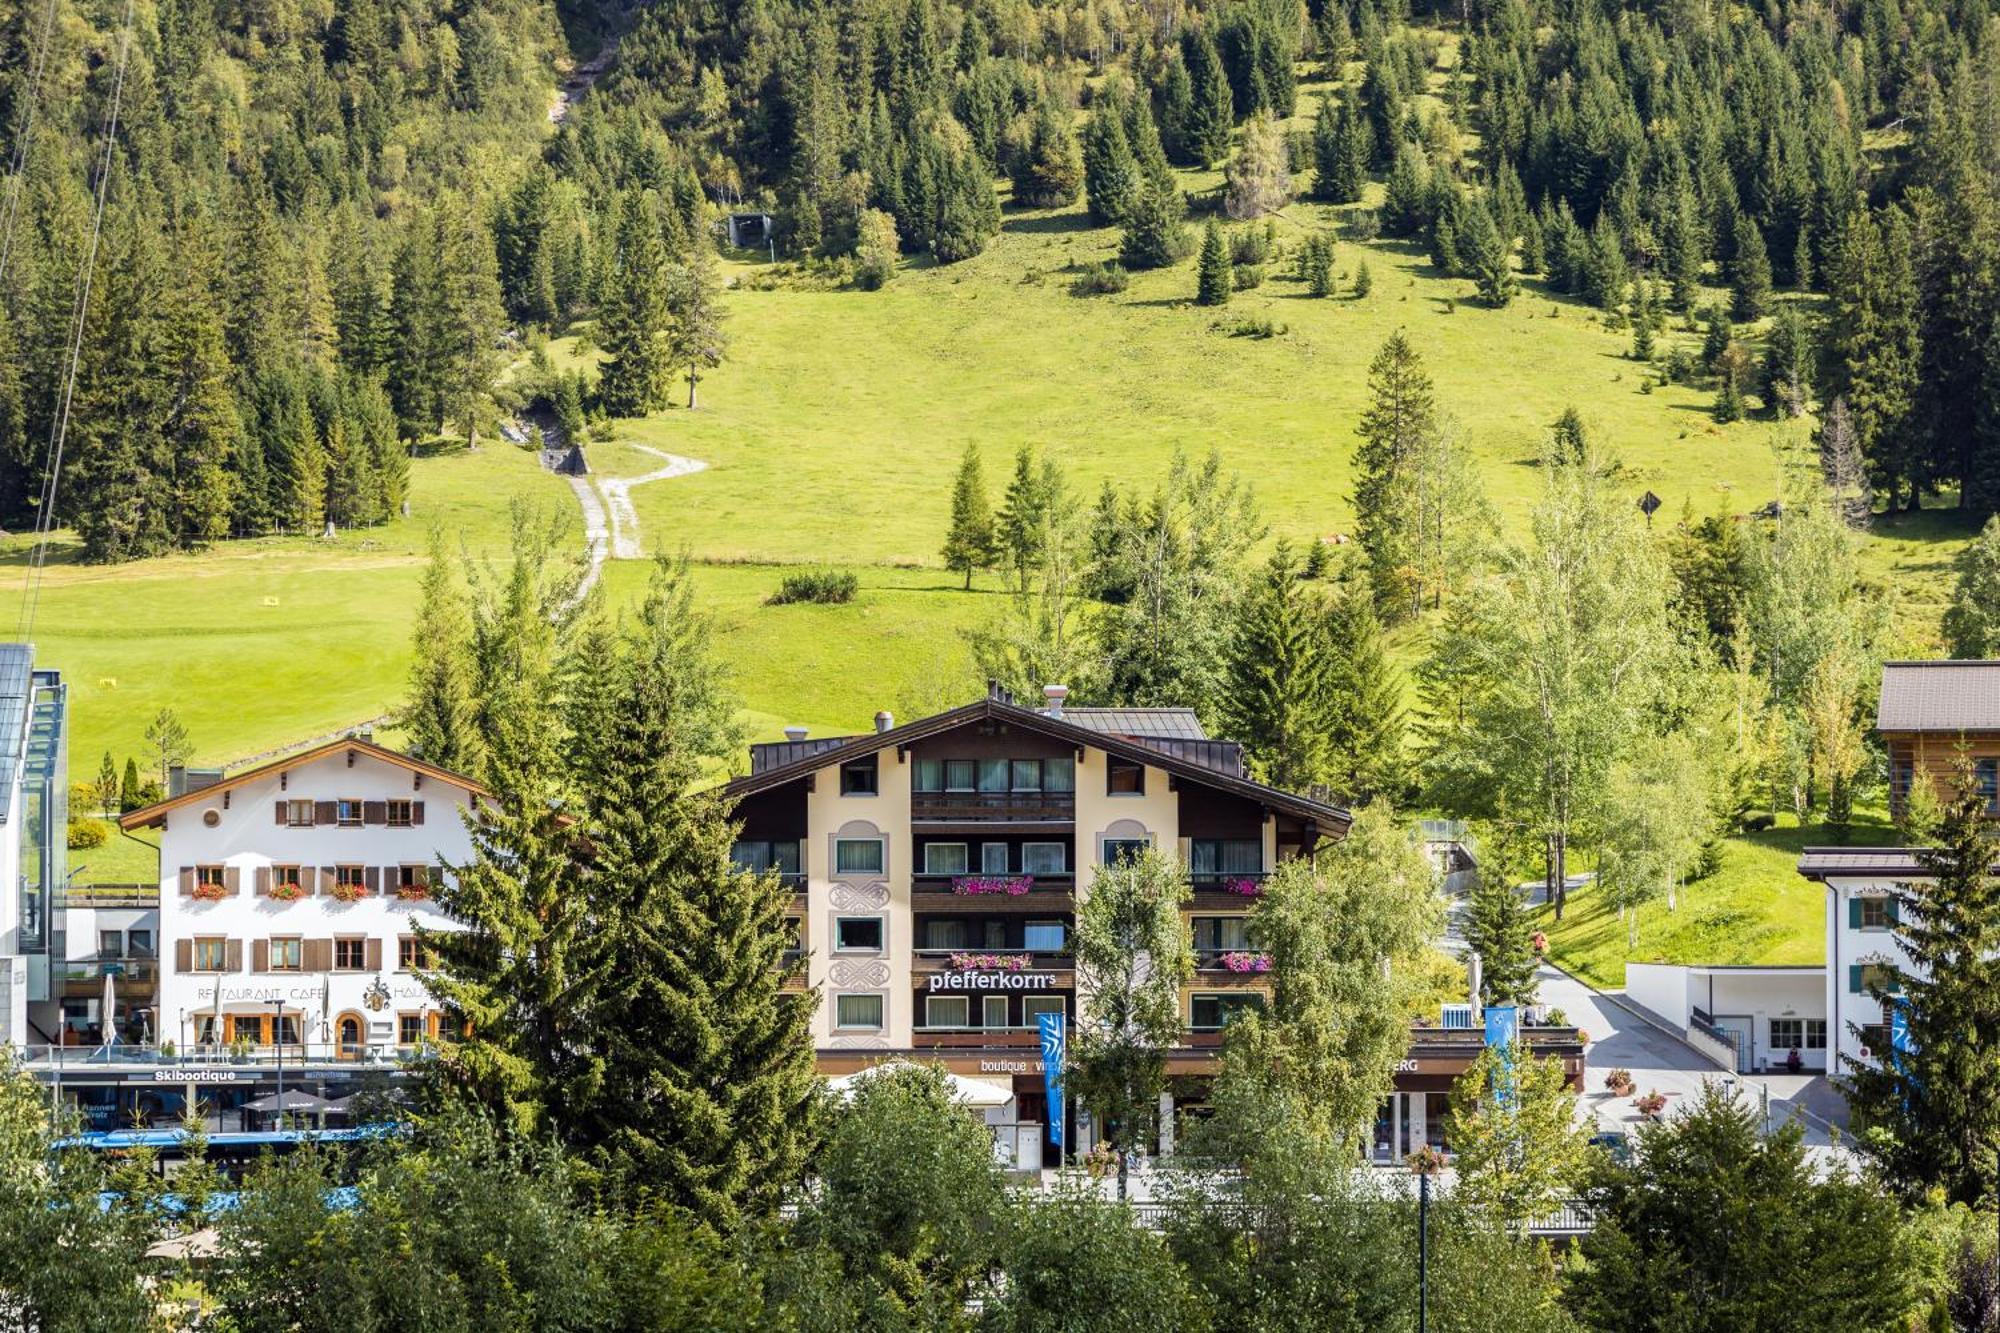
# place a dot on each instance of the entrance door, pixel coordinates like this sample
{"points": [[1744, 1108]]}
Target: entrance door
{"points": [[1740, 1028]]}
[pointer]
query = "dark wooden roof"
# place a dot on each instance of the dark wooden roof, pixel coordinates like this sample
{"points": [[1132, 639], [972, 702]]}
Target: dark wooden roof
{"points": [[841, 750], [1860, 862], [1949, 696]]}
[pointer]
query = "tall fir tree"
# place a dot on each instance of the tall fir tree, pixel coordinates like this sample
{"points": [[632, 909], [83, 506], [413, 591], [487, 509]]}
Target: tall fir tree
{"points": [[1497, 924], [1749, 272], [439, 719], [698, 338], [1211, 114], [637, 316], [970, 543], [1215, 278], [1400, 423], [1366, 739], [709, 1088], [1279, 698], [1930, 1114]]}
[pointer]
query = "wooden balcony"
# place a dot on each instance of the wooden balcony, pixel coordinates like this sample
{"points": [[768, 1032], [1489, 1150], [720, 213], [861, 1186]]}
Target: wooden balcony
{"points": [[1047, 893], [959, 1039], [1029, 810], [928, 962]]}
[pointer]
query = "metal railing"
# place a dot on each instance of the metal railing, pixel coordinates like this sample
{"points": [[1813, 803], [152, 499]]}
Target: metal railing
{"points": [[293, 1055], [1038, 959], [1039, 882], [1571, 1218], [96, 969], [1245, 884]]}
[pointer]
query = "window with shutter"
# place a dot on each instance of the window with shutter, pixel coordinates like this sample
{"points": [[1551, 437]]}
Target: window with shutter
{"points": [[232, 960], [416, 812], [374, 812], [399, 814], [325, 812], [183, 955], [187, 879], [232, 880], [260, 955]]}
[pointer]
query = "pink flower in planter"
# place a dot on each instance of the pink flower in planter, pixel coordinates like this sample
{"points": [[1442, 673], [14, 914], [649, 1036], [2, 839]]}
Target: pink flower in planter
{"points": [[974, 885], [1246, 888], [989, 962], [1244, 961]]}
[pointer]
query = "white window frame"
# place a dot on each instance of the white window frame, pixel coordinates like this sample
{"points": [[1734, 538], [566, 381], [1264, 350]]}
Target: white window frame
{"points": [[986, 1003], [964, 860], [881, 998], [933, 1003], [881, 923], [881, 856], [986, 851]]}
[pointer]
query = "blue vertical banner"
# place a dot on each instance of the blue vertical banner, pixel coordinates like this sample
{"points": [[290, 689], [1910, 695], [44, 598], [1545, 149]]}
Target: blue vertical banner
{"points": [[1901, 1043], [1055, 1046], [1502, 1026]]}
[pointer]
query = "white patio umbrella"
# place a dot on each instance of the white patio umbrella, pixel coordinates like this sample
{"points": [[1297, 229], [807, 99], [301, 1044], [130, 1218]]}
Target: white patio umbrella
{"points": [[110, 1006], [970, 1092]]}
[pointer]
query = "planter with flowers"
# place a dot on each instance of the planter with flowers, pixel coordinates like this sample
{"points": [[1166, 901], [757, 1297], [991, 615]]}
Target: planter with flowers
{"points": [[1425, 1161], [413, 893], [209, 893], [287, 892], [1243, 888], [1619, 1082], [349, 893], [1651, 1104], [973, 886], [989, 962], [1241, 960]]}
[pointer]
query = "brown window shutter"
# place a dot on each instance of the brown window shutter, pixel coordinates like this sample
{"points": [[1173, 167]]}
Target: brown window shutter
{"points": [[260, 955], [263, 882], [374, 812], [326, 879], [187, 879], [316, 955], [392, 878], [372, 877], [281, 814], [372, 953], [326, 812], [232, 880], [183, 955], [232, 956], [416, 812]]}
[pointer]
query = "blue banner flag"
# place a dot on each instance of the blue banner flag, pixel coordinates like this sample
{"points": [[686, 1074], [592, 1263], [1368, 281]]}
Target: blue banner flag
{"points": [[1055, 1044], [1502, 1025], [1901, 1043]]}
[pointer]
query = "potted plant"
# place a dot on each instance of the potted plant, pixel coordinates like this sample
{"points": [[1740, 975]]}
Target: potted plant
{"points": [[1425, 1161], [168, 1050], [413, 893], [1619, 1082], [1243, 888], [239, 1050], [287, 892], [349, 893], [1651, 1104], [1240, 960], [209, 893]]}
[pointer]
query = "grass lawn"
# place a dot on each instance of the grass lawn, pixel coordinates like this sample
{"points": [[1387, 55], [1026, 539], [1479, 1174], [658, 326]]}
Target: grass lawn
{"points": [[1755, 909]]}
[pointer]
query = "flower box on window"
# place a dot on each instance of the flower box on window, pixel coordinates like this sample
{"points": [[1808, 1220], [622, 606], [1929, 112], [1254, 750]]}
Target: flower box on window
{"points": [[413, 893], [349, 893], [1242, 960], [287, 893], [209, 893], [989, 962], [1243, 888], [972, 886]]}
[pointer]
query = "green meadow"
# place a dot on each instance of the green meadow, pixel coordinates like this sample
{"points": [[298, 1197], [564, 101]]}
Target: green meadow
{"points": [[831, 435]]}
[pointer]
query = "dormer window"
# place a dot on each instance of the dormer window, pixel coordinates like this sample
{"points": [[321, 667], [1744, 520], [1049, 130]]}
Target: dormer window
{"points": [[859, 777]]}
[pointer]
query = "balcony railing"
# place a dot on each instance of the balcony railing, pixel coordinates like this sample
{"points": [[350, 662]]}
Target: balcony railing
{"points": [[1244, 884], [995, 806], [135, 970], [1010, 1038], [293, 1055], [1035, 960], [1039, 882], [1236, 962]]}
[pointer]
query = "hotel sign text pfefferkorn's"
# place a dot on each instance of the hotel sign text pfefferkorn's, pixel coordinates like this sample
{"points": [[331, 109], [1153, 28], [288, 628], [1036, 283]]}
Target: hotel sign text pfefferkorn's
{"points": [[992, 981]]}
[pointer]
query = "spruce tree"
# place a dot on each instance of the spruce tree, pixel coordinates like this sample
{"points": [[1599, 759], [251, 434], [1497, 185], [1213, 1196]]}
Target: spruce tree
{"points": [[697, 338], [1497, 924], [1177, 110], [130, 794], [1049, 172], [438, 720], [1112, 184], [1211, 113], [1749, 272], [969, 544], [1356, 151], [1326, 146], [1489, 257], [1278, 703], [1216, 277], [637, 317], [1369, 720], [1399, 423], [1316, 266], [1023, 516], [709, 1088], [1930, 1115], [1156, 236]]}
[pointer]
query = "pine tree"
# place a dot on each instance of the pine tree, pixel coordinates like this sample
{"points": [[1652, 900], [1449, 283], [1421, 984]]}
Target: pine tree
{"points": [[1938, 1101], [1177, 110], [1489, 257], [1112, 184], [1049, 172], [1972, 621], [1211, 113], [107, 786], [1326, 145], [697, 339], [1156, 236], [1216, 277], [1279, 697], [1023, 515], [1498, 927], [1406, 200], [637, 317], [970, 543], [709, 1089], [1316, 266], [1749, 272], [438, 720], [1400, 421], [1369, 720], [130, 794]]}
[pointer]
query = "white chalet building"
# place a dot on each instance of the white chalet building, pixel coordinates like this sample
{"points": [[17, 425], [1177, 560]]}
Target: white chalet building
{"points": [[289, 900]]}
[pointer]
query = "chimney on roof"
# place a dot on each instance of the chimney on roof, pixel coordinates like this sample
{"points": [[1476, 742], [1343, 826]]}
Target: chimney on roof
{"points": [[884, 719], [795, 734], [1055, 694]]}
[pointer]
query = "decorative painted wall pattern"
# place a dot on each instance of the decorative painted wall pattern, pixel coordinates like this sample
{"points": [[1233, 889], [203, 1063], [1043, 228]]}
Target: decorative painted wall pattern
{"points": [[858, 1042], [859, 897], [858, 973]]}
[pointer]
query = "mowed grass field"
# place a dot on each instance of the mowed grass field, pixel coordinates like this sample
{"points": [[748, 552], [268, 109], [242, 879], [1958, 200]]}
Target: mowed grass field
{"points": [[832, 434]]}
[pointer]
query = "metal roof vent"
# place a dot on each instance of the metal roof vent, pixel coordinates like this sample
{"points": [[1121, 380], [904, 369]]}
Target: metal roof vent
{"points": [[884, 720], [795, 734], [1055, 694]]}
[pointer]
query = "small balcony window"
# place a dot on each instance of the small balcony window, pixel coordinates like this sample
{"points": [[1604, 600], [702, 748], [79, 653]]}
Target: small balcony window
{"points": [[995, 775], [1217, 857], [960, 775], [1044, 936], [1044, 858], [859, 777], [756, 854], [1059, 775], [947, 1011], [1032, 1006], [993, 858], [857, 934], [1027, 775], [947, 858], [1212, 1013]]}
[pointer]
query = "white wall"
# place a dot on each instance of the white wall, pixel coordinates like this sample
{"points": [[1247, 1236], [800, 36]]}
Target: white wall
{"points": [[1660, 987], [246, 835], [1847, 946]]}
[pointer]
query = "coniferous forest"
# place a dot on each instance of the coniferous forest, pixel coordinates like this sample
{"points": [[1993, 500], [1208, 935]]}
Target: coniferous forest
{"points": [[325, 221]]}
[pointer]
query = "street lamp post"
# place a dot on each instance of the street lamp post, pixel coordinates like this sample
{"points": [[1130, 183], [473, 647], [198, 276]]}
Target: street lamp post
{"points": [[278, 1040], [1424, 1252]]}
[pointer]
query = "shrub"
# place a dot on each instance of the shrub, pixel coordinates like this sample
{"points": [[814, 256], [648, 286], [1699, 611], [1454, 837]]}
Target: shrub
{"points": [[1249, 245], [1757, 823], [1364, 224], [1248, 276], [875, 250], [1255, 326], [87, 833], [1100, 280], [825, 586]]}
